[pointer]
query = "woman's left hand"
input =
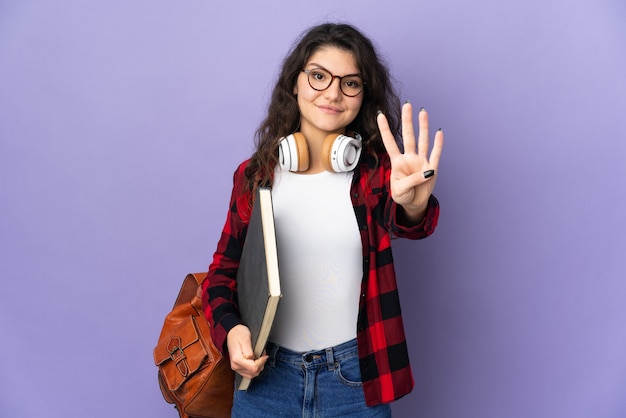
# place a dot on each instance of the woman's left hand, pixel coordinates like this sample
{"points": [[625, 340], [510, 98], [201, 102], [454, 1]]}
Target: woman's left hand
{"points": [[413, 173]]}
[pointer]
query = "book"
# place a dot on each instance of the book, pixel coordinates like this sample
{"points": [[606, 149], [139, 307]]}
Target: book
{"points": [[258, 280]]}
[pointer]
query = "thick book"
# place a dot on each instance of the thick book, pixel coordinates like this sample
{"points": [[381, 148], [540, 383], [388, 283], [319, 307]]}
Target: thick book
{"points": [[258, 281]]}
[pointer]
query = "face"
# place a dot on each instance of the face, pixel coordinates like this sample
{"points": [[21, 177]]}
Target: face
{"points": [[327, 111]]}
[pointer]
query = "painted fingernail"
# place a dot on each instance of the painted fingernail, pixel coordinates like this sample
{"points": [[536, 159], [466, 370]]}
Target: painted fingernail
{"points": [[407, 101], [440, 130], [422, 109], [379, 112], [429, 173]]}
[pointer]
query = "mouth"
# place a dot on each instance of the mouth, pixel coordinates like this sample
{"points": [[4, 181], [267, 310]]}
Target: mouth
{"points": [[332, 110]]}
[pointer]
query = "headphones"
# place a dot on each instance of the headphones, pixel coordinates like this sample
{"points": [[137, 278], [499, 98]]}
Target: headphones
{"points": [[340, 153]]}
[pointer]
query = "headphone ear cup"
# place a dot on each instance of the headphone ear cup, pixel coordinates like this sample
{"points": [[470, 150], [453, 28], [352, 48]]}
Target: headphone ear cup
{"points": [[302, 151], [341, 153], [293, 152], [327, 151]]}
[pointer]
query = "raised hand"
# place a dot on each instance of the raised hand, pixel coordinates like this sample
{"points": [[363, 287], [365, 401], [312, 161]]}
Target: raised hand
{"points": [[414, 172]]}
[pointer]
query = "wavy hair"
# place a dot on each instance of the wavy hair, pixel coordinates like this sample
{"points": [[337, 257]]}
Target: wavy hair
{"points": [[283, 114]]}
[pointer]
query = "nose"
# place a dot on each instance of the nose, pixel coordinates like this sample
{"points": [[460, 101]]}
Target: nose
{"points": [[334, 90]]}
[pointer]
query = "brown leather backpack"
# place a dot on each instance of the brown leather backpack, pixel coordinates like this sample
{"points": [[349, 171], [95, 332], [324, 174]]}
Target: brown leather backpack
{"points": [[193, 375]]}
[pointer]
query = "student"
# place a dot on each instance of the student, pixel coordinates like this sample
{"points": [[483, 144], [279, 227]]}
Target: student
{"points": [[341, 187]]}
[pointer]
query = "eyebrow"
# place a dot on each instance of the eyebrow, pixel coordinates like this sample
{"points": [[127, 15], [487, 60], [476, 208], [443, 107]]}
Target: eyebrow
{"points": [[321, 67]]}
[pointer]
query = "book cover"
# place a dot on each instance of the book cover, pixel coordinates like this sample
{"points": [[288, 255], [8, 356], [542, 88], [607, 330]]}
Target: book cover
{"points": [[258, 281]]}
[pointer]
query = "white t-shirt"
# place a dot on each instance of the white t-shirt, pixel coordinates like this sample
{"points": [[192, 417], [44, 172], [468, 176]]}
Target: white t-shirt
{"points": [[320, 260]]}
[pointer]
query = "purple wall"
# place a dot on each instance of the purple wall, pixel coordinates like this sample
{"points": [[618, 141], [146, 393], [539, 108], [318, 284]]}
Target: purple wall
{"points": [[121, 123]]}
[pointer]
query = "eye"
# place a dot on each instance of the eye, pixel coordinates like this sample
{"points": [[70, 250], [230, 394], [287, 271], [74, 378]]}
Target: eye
{"points": [[318, 75], [353, 82]]}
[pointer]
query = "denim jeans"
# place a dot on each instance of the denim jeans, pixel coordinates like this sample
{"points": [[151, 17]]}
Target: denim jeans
{"points": [[324, 383]]}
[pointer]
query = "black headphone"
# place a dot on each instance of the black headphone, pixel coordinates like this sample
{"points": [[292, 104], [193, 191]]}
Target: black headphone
{"points": [[340, 153]]}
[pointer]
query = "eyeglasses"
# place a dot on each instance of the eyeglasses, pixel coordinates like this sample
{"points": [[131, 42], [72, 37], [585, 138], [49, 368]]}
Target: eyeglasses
{"points": [[319, 79]]}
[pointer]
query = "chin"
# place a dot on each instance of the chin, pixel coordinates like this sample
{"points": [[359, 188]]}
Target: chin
{"points": [[332, 128]]}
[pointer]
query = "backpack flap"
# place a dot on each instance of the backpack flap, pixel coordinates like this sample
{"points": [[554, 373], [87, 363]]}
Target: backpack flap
{"points": [[180, 351]]}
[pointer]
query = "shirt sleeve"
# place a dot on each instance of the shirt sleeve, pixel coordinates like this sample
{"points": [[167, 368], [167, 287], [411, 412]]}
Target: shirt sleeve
{"points": [[425, 228], [219, 290]]}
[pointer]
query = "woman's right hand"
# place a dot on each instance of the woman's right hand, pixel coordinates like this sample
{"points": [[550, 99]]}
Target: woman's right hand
{"points": [[241, 355]]}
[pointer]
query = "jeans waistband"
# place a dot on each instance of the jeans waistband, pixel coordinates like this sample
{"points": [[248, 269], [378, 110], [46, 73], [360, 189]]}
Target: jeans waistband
{"points": [[326, 356]]}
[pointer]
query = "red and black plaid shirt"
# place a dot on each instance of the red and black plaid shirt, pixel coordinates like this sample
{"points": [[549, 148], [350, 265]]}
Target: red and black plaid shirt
{"points": [[384, 359]]}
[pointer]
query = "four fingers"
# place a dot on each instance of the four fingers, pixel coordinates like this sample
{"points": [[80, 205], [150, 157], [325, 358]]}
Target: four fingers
{"points": [[409, 140]]}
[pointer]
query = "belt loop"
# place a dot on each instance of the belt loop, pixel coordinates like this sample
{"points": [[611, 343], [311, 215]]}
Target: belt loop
{"points": [[330, 359]]}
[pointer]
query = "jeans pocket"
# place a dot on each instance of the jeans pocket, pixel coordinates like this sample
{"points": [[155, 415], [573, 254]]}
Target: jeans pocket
{"points": [[348, 372]]}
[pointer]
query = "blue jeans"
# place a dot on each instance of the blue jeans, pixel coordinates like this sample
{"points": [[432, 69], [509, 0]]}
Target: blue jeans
{"points": [[324, 383]]}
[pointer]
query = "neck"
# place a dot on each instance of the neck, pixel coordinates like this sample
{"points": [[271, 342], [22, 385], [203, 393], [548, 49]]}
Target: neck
{"points": [[315, 140]]}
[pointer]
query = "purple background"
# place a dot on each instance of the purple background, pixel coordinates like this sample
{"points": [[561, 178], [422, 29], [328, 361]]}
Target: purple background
{"points": [[121, 123]]}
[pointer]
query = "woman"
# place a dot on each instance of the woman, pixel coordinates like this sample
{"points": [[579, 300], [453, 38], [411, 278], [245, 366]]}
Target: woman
{"points": [[340, 188]]}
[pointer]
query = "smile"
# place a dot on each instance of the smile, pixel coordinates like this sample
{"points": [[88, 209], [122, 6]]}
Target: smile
{"points": [[329, 109]]}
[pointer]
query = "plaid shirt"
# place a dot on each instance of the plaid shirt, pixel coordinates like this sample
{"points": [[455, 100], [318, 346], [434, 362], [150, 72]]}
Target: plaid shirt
{"points": [[384, 359]]}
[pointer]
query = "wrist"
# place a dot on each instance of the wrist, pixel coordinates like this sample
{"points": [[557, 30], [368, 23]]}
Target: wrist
{"points": [[414, 214]]}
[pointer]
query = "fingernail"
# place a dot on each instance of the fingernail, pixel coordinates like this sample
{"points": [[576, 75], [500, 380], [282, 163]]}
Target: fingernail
{"points": [[429, 174], [440, 129], [422, 109], [407, 101], [379, 112]]}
